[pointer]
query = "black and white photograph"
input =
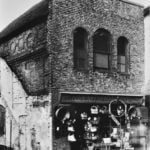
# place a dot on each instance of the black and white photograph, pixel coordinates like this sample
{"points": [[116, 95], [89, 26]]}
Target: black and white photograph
{"points": [[74, 74]]}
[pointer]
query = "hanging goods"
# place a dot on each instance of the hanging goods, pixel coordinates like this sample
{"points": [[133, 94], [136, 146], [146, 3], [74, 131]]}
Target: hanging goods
{"points": [[94, 110], [84, 116], [117, 108], [70, 129], [71, 138]]}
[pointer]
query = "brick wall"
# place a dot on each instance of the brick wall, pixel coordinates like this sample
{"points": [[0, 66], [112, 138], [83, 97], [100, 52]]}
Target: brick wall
{"points": [[27, 53], [120, 19]]}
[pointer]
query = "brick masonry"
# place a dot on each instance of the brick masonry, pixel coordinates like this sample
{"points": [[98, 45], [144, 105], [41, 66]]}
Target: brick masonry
{"points": [[29, 53], [120, 19]]}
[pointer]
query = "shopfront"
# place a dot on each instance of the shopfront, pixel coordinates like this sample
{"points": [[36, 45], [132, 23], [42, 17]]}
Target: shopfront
{"points": [[102, 121]]}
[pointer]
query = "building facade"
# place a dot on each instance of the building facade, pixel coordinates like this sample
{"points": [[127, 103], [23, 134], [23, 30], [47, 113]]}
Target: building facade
{"points": [[97, 58], [72, 76]]}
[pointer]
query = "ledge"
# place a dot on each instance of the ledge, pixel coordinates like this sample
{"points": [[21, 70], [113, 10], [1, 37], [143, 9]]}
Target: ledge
{"points": [[98, 98], [39, 52]]}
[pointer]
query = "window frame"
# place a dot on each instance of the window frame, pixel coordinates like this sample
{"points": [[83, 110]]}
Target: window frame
{"points": [[80, 53], [102, 52], [126, 55]]}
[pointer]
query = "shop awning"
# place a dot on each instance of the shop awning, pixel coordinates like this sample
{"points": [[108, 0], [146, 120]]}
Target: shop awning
{"points": [[98, 98]]}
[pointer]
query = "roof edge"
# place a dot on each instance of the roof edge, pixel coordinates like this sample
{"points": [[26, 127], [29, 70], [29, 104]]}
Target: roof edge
{"points": [[30, 18]]}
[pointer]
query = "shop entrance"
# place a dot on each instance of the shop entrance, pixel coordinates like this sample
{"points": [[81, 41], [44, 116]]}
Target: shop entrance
{"points": [[113, 126]]}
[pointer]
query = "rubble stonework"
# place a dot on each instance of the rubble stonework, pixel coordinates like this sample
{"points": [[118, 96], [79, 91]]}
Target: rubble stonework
{"points": [[120, 19], [37, 65]]}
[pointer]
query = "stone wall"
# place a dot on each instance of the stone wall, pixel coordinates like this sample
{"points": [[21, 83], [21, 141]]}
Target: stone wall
{"points": [[120, 19], [27, 56]]}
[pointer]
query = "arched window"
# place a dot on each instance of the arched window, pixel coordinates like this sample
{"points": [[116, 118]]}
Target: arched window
{"points": [[80, 38], [122, 47], [2, 120], [102, 49]]}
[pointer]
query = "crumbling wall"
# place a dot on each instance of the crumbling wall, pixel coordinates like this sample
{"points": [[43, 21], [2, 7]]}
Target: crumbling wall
{"points": [[24, 89], [28, 118], [26, 54]]}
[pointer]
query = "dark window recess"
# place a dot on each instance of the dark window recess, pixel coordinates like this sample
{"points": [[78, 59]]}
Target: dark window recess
{"points": [[123, 59], [2, 120], [101, 49], [80, 48]]}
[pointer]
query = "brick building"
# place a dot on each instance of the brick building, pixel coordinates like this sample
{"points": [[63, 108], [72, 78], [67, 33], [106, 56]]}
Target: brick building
{"points": [[64, 60]]}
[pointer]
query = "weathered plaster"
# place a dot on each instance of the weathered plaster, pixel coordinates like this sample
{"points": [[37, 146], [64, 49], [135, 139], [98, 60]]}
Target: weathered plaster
{"points": [[147, 54], [25, 116]]}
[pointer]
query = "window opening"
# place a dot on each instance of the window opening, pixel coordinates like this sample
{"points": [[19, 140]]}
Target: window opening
{"points": [[80, 36], [122, 46], [101, 49]]}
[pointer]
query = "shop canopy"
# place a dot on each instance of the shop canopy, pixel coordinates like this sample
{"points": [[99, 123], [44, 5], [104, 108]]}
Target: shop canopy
{"points": [[98, 98]]}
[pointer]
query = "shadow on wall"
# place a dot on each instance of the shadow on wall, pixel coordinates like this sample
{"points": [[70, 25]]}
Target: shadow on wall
{"points": [[2, 147]]}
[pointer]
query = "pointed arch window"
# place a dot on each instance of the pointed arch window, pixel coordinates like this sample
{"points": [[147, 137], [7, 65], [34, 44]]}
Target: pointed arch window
{"points": [[102, 49], [80, 43], [123, 54]]}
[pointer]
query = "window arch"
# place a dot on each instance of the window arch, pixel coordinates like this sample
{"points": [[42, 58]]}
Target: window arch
{"points": [[2, 120], [122, 51], [80, 43], [102, 49]]}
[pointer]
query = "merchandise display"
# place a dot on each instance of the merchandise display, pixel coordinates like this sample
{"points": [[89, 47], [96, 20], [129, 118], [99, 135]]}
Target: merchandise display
{"points": [[98, 127]]}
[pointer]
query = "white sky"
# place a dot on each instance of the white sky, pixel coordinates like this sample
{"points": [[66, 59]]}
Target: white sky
{"points": [[11, 9]]}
